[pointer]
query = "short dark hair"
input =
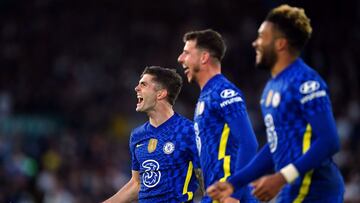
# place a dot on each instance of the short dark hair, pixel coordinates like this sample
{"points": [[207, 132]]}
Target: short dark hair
{"points": [[209, 40], [293, 23], [168, 79]]}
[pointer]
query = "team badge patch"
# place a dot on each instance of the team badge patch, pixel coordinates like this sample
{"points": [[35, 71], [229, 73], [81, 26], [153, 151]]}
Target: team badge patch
{"points": [[168, 148], [268, 98], [152, 145], [200, 108], [276, 99]]}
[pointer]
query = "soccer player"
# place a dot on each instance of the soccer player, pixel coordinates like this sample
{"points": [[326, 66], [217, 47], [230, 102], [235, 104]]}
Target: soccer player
{"points": [[224, 135], [163, 149], [300, 126]]}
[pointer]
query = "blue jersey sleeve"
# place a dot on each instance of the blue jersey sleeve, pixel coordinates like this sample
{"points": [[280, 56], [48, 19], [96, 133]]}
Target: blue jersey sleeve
{"points": [[241, 127], [312, 94], [229, 103], [134, 162], [261, 164], [315, 106], [326, 144]]}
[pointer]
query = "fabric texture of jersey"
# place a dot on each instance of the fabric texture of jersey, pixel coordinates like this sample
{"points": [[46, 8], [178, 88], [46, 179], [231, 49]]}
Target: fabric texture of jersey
{"points": [[219, 102], [165, 158], [288, 101]]}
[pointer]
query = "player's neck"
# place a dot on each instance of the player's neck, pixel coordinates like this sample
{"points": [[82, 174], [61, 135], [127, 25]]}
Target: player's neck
{"points": [[207, 73], [160, 115], [282, 63]]}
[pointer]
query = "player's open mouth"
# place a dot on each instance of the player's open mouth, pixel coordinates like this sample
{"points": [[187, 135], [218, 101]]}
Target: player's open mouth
{"points": [[258, 55], [186, 70], [140, 99]]}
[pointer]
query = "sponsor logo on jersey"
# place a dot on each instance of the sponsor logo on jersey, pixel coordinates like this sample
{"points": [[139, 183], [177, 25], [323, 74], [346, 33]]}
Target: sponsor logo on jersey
{"points": [[200, 107], [309, 87], [198, 143], [276, 99], [230, 101], [271, 134], [197, 137], [168, 148], [139, 145], [309, 97], [196, 129], [151, 176], [152, 145], [228, 93]]}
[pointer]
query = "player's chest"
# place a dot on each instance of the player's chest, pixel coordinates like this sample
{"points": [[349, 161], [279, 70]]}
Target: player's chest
{"points": [[204, 114], [279, 102], [161, 149]]}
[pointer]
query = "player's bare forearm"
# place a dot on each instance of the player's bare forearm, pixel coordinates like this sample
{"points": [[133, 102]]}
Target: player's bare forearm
{"points": [[128, 193], [200, 178]]}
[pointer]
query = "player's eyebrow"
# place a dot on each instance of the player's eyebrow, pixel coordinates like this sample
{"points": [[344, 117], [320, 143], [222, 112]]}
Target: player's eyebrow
{"points": [[143, 83]]}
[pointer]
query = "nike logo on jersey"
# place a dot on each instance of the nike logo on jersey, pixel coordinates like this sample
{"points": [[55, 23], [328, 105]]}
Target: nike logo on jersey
{"points": [[139, 145]]}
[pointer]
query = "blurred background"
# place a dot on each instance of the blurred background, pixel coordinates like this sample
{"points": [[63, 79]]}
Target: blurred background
{"points": [[68, 71]]}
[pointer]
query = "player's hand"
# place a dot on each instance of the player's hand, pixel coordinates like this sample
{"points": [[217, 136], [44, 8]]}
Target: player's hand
{"points": [[229, 200], [220, 190], [267, 187]]}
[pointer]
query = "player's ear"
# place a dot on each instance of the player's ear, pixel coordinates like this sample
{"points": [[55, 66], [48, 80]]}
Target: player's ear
{"points": [[205, 56], [281, 44], [162, 94]]}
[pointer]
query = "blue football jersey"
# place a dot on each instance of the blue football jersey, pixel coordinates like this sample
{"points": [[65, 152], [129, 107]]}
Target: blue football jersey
{"points": [[288, 101], [219, 102], [165, 158]]}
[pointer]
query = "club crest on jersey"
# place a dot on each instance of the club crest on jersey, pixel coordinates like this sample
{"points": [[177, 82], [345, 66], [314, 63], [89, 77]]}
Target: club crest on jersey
{"points": [[152, 145], [168, 148], [228, 93], [276, 99], [200, 108], [309, 86], [151, 176]]}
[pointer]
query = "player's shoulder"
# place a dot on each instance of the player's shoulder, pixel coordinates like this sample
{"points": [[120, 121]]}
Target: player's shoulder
{"points": [[225, 88], [182, 121], [183, 124], [138, 132], [305, 76]]}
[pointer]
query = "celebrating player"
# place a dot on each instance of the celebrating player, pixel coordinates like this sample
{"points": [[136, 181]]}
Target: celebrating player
{"points": [[163, 149], [224, 135], [300, 126]]}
